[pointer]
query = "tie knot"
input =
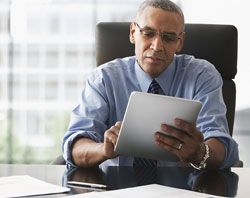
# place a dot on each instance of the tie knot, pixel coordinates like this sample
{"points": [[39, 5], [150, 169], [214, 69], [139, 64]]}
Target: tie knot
{"points": [[155, 88]]}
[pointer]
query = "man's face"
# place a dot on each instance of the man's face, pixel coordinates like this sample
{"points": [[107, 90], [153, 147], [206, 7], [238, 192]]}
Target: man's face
{"points": [[157, 35]]}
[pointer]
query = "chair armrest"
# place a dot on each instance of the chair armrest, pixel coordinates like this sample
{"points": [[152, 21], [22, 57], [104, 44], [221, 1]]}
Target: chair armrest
{"points": [[59, 160], [238, 163]]}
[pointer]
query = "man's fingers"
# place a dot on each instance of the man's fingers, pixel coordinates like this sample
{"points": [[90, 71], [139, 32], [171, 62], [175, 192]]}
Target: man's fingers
{"points": [[175, 133], [112, 133], [168, 140], [110, 136], [185, 126], [118, 124]]}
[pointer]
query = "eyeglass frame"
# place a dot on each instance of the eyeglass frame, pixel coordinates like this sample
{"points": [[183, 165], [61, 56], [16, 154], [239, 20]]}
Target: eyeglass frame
{"points": [[161, 34]]}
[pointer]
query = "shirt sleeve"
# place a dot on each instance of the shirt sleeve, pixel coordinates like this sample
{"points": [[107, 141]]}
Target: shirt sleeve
{"points": [[212, 117], [89, 118]]}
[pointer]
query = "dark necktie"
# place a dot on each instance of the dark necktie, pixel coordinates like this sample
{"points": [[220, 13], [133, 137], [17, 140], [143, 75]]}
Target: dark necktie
{"points": [[155, 88]]}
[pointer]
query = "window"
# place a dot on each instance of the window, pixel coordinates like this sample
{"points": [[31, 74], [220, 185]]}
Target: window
{"points": [[71, 58], [2, 87], [51, 87], [54, 23], [18, 57], [52, 57], [33, 123], [71, 87], [33, 88], [33, 55], [1, 56], [17, 87], [3, 20], [47, 52]]}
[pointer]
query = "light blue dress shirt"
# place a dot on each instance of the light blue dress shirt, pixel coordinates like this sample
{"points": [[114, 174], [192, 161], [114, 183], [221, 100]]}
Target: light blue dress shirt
{"points": [[105, 97]]}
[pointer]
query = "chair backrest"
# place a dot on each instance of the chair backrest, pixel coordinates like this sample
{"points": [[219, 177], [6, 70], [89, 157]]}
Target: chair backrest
{"points": [[215, 43]]}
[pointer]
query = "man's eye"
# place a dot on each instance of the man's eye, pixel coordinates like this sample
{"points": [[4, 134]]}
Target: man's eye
{"points": [[169, 37], [148, 34]]}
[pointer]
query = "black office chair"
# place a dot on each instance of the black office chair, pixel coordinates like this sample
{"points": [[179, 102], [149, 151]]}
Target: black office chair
{"points": [[215, 43]]}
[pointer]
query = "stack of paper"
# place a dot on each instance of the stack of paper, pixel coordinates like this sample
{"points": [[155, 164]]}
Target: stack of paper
{"points": [[16, 186]]}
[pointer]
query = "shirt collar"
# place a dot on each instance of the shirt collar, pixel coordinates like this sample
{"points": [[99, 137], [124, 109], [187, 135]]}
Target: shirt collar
{"points": [[164, 79]]}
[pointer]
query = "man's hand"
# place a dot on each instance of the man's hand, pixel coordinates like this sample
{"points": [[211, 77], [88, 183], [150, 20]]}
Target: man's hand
{"points": [[88, 153], [186, 143], [110, 138]]}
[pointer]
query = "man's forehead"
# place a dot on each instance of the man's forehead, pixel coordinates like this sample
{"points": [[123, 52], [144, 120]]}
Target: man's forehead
{"points": [[159, 19]]}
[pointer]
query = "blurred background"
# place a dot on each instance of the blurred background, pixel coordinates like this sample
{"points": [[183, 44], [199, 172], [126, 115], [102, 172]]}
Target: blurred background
{"points": [[47, 49]]}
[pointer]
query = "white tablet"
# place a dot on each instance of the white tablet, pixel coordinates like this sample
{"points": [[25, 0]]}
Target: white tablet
{"points": [[144, 114]]}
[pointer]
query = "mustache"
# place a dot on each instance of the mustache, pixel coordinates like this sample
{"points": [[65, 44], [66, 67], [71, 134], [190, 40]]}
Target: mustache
{"points": [[155, 55]]}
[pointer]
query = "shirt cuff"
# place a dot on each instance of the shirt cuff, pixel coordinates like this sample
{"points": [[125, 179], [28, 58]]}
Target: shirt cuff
{"points": [[231, 148]]}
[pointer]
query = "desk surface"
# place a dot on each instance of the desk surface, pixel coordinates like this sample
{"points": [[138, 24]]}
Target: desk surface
{"points": [[225, 183]]}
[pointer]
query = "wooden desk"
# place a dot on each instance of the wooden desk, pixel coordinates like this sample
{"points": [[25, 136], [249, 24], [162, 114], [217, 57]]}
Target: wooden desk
{"points": [[226, 183]]}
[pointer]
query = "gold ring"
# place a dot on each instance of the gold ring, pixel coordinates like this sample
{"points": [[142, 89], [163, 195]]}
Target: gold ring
{"points": [[180, 146]]}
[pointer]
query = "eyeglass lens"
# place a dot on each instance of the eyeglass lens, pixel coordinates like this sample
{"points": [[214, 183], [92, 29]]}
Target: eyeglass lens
{"points": [[167, 37]]}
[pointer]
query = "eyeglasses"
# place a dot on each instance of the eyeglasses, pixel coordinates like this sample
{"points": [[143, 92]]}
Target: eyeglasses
{"points": [[167, 37]]}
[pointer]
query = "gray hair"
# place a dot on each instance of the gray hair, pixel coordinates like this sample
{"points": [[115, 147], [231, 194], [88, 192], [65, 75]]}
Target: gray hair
{"points": [[166, 5]]}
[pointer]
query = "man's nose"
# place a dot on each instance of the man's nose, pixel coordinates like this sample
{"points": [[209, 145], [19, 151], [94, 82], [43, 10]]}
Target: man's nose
{"points": [[157, 43]]}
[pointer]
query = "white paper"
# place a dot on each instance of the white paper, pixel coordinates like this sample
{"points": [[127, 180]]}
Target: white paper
{"points": [[24, 185], [147, 191]]}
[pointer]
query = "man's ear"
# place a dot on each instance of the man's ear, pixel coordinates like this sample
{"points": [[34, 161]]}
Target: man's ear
{"points": [[132, 32], [181, 42]]}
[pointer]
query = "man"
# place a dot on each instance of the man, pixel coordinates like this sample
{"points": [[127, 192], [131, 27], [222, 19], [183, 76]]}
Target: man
{"points": [[158, 34]]}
